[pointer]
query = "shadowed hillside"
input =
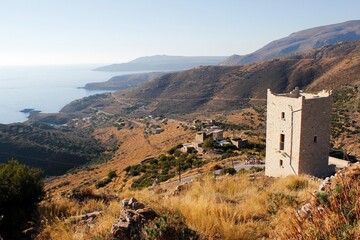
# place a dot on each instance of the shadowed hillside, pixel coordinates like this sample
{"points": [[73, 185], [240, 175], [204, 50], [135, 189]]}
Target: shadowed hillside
{"points": [[51, 149], [301, 41]]}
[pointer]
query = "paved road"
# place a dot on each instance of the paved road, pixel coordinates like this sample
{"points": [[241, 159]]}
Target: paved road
{"points": [[237, 166]]}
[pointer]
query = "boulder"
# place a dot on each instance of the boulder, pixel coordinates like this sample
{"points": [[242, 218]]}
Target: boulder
{"points": [[146, 213], [132, 200], [120, 230], [125, 203], [137, 205]]}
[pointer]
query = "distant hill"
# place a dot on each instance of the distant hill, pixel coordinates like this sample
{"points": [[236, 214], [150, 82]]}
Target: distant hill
{"points": [[163, 63], [300, 41], [50, 148], [124, 81], [224, 88]]}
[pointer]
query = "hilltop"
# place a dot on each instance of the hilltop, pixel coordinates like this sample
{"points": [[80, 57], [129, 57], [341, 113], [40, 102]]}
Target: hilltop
{"points": [[225, 88], [162, 63], [301, 41]]}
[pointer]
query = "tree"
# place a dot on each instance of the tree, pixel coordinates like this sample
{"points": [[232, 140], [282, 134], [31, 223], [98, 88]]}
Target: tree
{"points": [[209, 143], [21, 188]]}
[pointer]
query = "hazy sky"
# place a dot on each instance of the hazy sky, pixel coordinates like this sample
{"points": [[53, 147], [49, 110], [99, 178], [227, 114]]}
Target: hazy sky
{"points": [[109, 31]]}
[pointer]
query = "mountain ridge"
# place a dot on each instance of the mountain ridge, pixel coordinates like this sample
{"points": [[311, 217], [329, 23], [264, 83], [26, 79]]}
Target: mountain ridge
{"points": [[163, 63], [301, 41], [225, 88]]}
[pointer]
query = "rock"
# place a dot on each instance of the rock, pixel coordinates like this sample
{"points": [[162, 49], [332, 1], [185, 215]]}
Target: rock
{"points": [[132, 200], [146, 213], [88, 217], [120, 230], [134, 216], [136, 219], [180, 188], [125, 203], [137, 205]]}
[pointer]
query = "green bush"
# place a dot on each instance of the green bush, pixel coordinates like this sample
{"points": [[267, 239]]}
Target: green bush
{"points": [[102, 183], [172, 150], [168, 227], [229, 153], [112, 174], [230, 171], [21, 188]]}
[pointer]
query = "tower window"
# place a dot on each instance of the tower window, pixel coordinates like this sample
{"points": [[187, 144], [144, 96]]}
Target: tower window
{"points": [[282, 141], [315, 139], [282, 115], [281, 163]]}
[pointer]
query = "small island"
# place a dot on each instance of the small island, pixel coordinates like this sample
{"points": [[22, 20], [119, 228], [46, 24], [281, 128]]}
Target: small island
{"points": [[30, 111]]}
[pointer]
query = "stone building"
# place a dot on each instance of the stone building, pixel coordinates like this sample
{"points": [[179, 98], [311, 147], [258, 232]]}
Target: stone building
{"points": [[298, 134]]}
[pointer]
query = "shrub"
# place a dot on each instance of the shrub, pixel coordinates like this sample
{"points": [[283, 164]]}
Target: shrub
{"points": [[256, 169], [168, 227], [172, 150], [230, 171], [297, 184], [229, 153], [102, 183], [279, 200], [21, 188], [112, 174]]}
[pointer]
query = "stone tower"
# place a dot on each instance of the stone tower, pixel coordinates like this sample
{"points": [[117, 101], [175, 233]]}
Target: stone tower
{"points": [[298, 133]]}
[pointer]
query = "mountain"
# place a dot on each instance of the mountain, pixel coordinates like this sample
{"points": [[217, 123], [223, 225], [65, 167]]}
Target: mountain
{"points": [[225, 88], [124, 81], [162, 63], [301, 41]]}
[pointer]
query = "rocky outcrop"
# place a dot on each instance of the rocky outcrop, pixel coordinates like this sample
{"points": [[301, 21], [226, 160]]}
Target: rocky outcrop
{"points": [[130, 224], [85, 218]]}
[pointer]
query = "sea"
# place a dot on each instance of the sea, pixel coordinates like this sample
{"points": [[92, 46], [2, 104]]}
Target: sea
{"points": [[44, 88]]}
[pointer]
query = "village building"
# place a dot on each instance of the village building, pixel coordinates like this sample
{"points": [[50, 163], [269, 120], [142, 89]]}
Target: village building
{"points": [[217, 134], [298, 134], [188, 148], [200, 136], [199, 146], [239, 142]]}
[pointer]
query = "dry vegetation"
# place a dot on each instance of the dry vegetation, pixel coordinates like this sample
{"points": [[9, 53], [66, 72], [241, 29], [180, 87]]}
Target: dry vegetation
{"points": [[229, 207], [335, 214], [134, 147]]}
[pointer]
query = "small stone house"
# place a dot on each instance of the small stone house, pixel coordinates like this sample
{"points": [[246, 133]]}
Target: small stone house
{"points": [[239, 142], [217, 134], [188, 148], [199, 146]]}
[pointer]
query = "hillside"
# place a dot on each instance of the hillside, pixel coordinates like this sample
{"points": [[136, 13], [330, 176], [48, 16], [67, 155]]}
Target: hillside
{"points": [[123, 81], [162, 63], [226, 88], [54, 150], [301, 41]]}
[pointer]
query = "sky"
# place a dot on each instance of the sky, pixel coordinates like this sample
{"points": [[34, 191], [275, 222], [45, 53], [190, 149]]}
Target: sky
{"points": [[43, 32]]}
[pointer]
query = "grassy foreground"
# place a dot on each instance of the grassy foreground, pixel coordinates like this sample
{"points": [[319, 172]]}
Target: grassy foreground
{"points": [[243, 206]]}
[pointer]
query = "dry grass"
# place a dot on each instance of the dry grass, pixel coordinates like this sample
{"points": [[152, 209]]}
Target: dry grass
{"points": [[335, 216], [230, 207], [56, 223]]}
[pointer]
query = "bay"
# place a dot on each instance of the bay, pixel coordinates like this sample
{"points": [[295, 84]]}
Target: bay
{"points": [[44, 88]]}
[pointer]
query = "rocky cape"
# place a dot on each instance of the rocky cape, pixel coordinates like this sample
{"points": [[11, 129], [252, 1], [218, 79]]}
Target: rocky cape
{"points": [[123, 82]]}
